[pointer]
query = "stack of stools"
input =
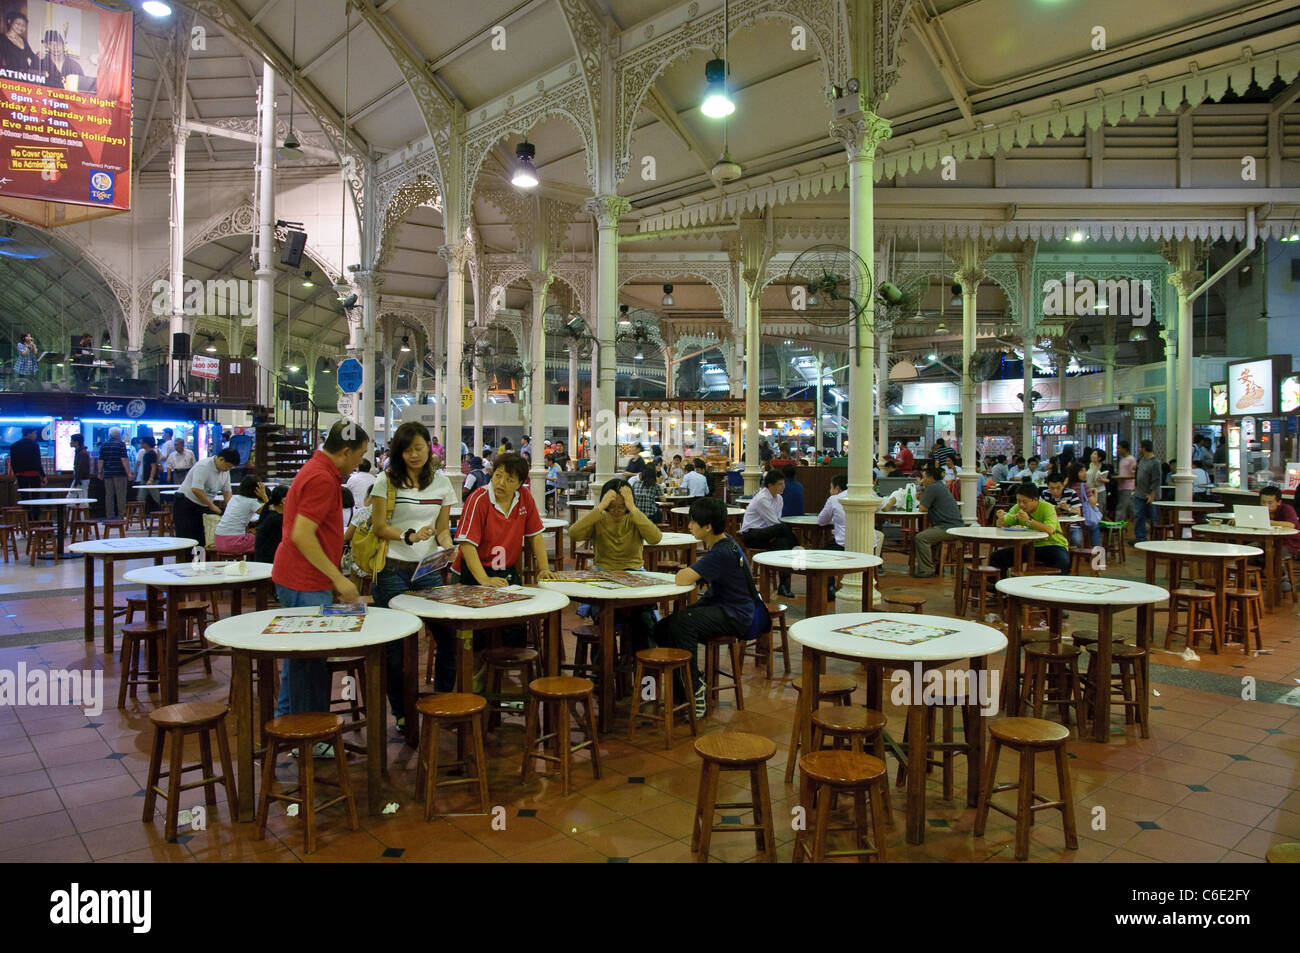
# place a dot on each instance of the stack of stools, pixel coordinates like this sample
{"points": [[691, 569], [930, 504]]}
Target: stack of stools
{"points": [[562, 693], [714, 673], [836, 689], [464, 713], [498, 663], [173, 723], [304, 732], [134, 636], [1027, 736], [665, 665], [734, 751], [1245, 609], [1052, 678], [1128, 687], [1201, 611], [824, 775], [856, 728]]}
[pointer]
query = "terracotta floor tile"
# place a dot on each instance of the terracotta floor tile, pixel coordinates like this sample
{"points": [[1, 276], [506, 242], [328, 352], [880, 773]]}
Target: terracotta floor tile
{"points": [[1286, 776], [62, 850], [1152, 788], [674, 852], [100, 769], [1172, 847], [520, 833], [1192, 752], [32, 830], [677, 817], [1203, 827], [1175, 771], [20, 763], [30, 804], [1130, 806], [1228, 729], [566, 850], [12, 784], [90, 792], [1282, 822], [623, 838], [1224, 806], [58, 739]]}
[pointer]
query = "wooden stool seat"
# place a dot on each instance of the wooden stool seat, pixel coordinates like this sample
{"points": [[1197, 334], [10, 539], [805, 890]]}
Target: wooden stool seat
{"points": [[734, 751], [836, 689], [114, 525], [663, 656], [1044, 663], [823, 776], [1081, 561], [510, 655], [665, 666], [497, 663], [464, 713], [173, 723], [1245, 609], [303, 731], [839, 718], [1028, 736], [981, 587], [911, 603], [566, 693], [134, 636]]}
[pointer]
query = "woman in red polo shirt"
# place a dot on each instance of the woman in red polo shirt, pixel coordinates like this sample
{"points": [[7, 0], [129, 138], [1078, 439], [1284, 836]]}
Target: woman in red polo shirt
{"points": [[494, 522]]}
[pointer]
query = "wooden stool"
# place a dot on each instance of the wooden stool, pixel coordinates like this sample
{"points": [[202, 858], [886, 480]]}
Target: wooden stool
{"points": [[915, 604], [1199, 605], [9, 541], [665, 664], [41, 541], [587, 642], [1253, 578], [166, 526], [15, 516], [113, 526], [856, 727], [81, 525], [135, 514], [1128, 687], [565, 693], [1112, 537], [303, 732], [981, 587], [1046, 663], [498, 662], [136, 603], [823, 776], [713, 673], [767, 645], [175, 722], [1245, 609], [355, 709], [1081, 562], [132, 676], [940, 717], [194, 619], [1288, 566], [734, 751], [836, 689], [463, 712], [950, 554], [1027, 736], [583, 558]]}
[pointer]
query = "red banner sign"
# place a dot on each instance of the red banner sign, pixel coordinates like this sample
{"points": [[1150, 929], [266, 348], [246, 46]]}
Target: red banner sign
{"points": [[65, 104]]}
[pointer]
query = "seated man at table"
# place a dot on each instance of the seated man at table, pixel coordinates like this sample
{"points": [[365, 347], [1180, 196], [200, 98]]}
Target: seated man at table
{"points": [[729, 604], [999, 471], [694, 481], [617, 529], [494, 523], [936, 502], [832, 513], [1033, 513], [1282, 515], [762, 527], [1065, 500]]}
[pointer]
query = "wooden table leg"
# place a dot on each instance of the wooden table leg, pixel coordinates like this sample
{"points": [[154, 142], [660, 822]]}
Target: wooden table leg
{"points": [[765, 583], [376, 730], [1272, 577], [1151, 568], [868, 589], [464, 661], [261, 594], [559, 548], [89, 608], [171, 652], [811, 688], [411, 687], [554, 632], [1011, 668], [108, 602], [241, 679], [916, 759], [605, 628], [975, 754], [815, 594], [236, 599], [1101, 683], [1145, 631]]}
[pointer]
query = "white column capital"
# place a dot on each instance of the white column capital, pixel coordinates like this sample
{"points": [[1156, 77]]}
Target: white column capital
{"points": [[861, 133], [607, 209], [456, 254]]}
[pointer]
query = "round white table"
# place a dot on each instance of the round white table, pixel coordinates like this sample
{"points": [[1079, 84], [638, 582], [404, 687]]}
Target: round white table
{"points": [[1269, 538], [244, 636], [936, 641], [682, 513], [60, 505], [812, 534], [817, 565], [43, 490], [133, 547], [610, 601], [973, 539], [173, 582], [1172, 511], [681, 545], [1103, 595], [169, 486], [1178, 551]]}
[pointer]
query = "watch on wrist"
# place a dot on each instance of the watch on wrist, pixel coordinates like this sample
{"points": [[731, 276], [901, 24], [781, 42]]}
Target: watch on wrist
{"points": [[406, 537]]}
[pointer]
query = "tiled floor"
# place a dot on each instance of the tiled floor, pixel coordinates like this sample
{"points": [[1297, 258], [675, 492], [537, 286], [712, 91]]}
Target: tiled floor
{"points": [[1217, 781]]}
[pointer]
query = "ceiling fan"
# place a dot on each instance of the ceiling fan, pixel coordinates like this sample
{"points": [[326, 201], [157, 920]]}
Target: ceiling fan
{"points": [[634, 342]]}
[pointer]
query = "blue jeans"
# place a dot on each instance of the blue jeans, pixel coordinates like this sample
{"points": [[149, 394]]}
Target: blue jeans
{"points": [[390, 582], [1142, 513], [304, 682], [1076, 535]]}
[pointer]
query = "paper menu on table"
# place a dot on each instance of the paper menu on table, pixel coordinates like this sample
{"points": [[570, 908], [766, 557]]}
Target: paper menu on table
{"points": [[898, 632], [313, 624]]}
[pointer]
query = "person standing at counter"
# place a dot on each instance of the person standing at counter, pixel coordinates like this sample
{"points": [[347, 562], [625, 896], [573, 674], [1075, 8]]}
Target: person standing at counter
{"points": [[113, 470], [25, 460], [179, 462], [80, 466], [208, 479]]}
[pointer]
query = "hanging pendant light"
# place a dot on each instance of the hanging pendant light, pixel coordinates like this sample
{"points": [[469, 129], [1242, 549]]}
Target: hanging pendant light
{"points": [[525, 175], [717, 103], [668, 301], [406, 344], [292, 149]]}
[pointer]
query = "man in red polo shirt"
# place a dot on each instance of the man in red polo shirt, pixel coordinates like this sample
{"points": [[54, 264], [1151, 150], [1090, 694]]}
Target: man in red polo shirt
{"points": [[306, 569], [494, 522]]}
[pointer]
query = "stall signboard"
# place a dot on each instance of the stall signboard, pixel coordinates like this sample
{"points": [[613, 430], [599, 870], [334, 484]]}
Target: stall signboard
{"points": [[1290, 401], [66, 132], [1253, 385], [1219, 399], [208, 368]]}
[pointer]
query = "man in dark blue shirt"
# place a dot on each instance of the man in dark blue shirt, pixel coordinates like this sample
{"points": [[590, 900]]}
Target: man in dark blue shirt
{"points": [[729, 604], [113, 466], [792, 495]]}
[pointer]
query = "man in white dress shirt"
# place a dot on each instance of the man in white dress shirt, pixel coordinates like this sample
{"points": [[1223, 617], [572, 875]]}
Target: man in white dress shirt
{"points": [[832, 513], [762, 527], [695, 483]]}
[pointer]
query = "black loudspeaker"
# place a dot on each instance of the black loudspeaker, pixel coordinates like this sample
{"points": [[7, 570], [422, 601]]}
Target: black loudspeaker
{"points": [[291, 253], [180, 346]]}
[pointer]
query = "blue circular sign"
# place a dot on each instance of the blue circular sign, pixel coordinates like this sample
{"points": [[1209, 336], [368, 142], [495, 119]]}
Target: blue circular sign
{"points": [[349, 375]]}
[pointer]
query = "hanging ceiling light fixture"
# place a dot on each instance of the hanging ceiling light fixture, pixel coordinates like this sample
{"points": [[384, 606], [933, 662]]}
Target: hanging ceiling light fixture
{"points": [[717, 103], [639, 355], [212, 347], [1136, 335], [156, 8], [292, 149], [668, 301], [623, 320], [406, 344], [306, 280], [525, 176]]}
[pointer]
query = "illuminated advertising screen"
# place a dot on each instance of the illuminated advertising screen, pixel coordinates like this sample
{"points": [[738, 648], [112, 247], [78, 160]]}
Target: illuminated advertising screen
{"points": [[63, 454], [1219, 400], [65, 123], [1291, 394], [1251, 387]]}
